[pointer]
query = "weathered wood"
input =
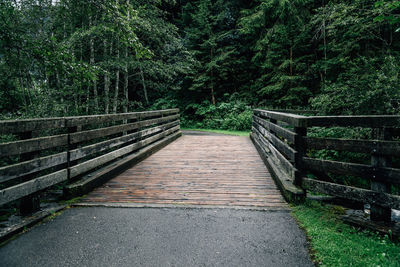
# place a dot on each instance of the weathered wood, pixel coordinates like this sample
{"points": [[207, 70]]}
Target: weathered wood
{"points": [[279, 160], [384, 174], [99, 177], [379, 213], [29, 203], [24, 189], [98, 161], [102, 132], [359, 220], [157, 113], [11, 172], [98, 119], [301, 150], [389, 175], [196, 170], [291, 192], [353, 193], [105, 145], [295, 111], [367, 121], [162, 124], [291, 119], [31, 145], [337, 167], [28, 125], [283, 147], [379, 147], [280, 131]]}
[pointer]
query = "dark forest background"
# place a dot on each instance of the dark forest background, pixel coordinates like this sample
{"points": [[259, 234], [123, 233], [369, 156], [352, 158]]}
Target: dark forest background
{"points": [[213, 59]]}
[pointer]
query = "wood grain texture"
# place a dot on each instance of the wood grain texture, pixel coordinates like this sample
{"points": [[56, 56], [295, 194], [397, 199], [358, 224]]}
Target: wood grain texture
{"points": [[196, 170]]}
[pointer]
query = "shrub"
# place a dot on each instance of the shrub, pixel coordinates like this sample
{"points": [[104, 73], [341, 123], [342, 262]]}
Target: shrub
{"points": [[233, 115]]}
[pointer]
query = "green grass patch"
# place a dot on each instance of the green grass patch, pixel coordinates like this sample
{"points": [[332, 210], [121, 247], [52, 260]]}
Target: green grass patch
{"points": [[227, 132], [334, 243], [71, 201]]}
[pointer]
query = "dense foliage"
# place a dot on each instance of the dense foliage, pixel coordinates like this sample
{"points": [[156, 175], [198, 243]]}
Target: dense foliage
{"points": [[213, 59]]}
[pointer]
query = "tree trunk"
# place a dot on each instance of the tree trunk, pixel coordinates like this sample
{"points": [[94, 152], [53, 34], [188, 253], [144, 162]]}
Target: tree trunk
{"points": [[126, 81], [324, 33], [144, 84], [106, 80], [59, 89], [212, 82], [115, 104], [126, 77], [291, 61], [95, 93]]}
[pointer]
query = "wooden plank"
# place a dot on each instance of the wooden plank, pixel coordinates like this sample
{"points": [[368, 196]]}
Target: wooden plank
{"points": [[379, 147], [385, 174], [11, 172], [353, 193], [301, 149], [337, 167], [100, 176], [279, 160], [108, 144], [97, 119], [157, 113], [296, 111], [370, 121], [280, 131], [359, 220], [291, 119], [283, 147], [290, 191], [389, 175], [28, 125], [378, 213], [24, 189], [163, 177], [102, 132], [30, 145], [98, 161]]}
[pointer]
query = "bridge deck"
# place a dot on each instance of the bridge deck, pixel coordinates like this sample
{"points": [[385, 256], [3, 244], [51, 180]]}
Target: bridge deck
{"points": [[196, 170]]}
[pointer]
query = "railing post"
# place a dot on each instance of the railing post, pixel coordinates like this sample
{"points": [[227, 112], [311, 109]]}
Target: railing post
{"points": [[379, 213], [274, 122], [70, 146], [30, 203], [299, 146]]}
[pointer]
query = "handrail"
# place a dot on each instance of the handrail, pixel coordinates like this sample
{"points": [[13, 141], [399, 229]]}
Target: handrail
{"points": [[285, 151], [54, 150]]}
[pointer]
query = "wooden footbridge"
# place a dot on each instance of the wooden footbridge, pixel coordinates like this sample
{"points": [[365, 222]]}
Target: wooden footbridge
{"points": [[113, 159]]}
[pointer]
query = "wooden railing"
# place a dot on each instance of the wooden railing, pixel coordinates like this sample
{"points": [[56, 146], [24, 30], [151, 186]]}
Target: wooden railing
{"points": [[282, 141], [81, 151]]}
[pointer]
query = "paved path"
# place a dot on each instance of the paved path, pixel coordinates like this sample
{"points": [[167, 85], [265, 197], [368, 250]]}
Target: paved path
{"points": [[196, 170], [161, 237]]}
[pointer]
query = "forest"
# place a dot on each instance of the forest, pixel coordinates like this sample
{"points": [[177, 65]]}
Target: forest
{"points": [[215, 60]]}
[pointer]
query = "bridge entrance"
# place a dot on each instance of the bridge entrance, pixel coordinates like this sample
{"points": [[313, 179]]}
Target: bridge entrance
{"points": [[195, 170]]}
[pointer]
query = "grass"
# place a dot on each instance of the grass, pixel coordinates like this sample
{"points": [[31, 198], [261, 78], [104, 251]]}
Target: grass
{"points": [[228, 132], [71, 201], [334, 243]]}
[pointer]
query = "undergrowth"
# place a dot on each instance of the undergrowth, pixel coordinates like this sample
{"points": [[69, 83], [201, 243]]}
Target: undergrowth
{"points": [[334, 243]]}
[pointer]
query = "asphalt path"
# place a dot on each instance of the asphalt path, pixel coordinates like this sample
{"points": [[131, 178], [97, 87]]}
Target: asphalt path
{"points": [[99, 236]]}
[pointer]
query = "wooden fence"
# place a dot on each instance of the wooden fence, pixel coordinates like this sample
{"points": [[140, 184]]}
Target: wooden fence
{"points": [[79, 150], [286, 148]]}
